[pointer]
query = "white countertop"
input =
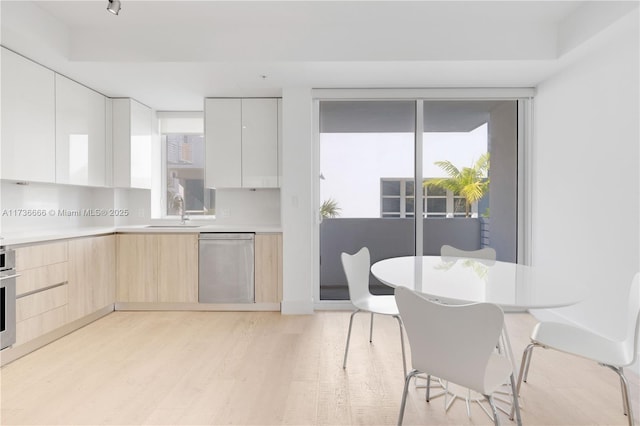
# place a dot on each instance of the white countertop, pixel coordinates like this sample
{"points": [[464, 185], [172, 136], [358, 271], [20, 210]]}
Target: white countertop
{"points": [[36, 236], [190, 228]]}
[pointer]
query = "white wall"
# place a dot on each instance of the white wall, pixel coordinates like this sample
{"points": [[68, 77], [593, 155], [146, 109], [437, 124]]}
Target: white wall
{"points": [[296, 202], [586, 180]]}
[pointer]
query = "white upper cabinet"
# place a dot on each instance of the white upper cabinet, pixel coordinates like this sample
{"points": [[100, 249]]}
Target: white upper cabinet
{"points": [[28, 120], [80, 134], [260, 143], [241, 143], [223, 142], [132, 150]]}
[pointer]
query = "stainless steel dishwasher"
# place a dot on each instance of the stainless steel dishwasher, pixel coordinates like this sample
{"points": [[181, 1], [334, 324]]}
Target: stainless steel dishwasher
{"points": [[226, 272]]}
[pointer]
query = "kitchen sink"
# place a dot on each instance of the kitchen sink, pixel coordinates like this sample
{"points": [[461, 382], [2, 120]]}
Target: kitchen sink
{"points": [[173, 226]]}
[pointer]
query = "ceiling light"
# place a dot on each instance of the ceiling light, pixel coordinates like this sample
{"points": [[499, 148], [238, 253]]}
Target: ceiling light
{"points": [[114, 6]]}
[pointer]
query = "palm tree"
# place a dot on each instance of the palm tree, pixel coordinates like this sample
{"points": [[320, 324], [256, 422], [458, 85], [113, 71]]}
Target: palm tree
{"points": [[329, 208], [470, 182]]}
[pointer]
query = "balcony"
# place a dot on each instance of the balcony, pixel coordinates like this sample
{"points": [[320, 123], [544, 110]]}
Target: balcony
{"points": [[387, 238]]}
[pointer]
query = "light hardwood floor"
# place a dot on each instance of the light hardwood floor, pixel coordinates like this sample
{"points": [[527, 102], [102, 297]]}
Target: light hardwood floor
{"points": [[261, 368]]}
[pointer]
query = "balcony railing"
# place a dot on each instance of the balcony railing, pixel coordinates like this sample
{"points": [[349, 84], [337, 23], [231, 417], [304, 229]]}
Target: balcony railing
{"points": [[385, 238]]}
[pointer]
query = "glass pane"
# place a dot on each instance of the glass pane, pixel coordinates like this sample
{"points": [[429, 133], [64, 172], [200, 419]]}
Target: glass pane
{"points": [[185, 175], [456, 144], [391, 187], [435, 191], [459, 205], [409, 188], [367, 161], [409, 206], [391, 205], [455, 138], [436, 205]]}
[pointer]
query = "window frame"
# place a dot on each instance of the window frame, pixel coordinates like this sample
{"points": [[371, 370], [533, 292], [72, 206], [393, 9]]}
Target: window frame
{"points": [[524, 96]]}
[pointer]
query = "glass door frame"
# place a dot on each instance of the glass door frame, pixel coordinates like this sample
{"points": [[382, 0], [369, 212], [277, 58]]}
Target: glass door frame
{"points": [[524, 98]]}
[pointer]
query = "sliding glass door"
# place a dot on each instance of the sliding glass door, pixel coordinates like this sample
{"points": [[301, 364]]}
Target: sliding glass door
{"points": [[469, 176], [401, 187], [366, 154]]}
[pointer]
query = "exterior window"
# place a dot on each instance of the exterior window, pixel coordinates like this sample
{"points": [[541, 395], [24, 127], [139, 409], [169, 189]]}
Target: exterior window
{"points": [[184, 165], [436, 202], [398, 200]]}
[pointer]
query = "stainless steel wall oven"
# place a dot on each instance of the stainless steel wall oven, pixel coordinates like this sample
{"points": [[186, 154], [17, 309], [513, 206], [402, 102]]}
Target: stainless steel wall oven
{"points": [[7, 297]]}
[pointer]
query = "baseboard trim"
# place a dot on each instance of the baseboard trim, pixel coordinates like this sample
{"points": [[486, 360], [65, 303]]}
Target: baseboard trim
{"points": [[11, 354], [297, 307], [242, 307]]}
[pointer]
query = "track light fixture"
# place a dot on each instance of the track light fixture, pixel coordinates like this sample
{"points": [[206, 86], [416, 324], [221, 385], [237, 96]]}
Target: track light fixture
{"points": [[114, 6]]}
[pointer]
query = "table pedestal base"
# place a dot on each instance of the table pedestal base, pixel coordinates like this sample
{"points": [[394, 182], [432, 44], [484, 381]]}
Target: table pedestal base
{"points": [[453, 392]]}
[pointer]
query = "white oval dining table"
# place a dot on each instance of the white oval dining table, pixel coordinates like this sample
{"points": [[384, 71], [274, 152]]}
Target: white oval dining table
{"points": [[467, 280]]}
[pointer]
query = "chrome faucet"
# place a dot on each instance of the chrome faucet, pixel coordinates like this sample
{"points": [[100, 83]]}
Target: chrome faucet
{"points": [[179, 201]]}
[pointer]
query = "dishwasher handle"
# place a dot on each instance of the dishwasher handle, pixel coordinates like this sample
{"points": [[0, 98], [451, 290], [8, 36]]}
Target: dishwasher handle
{"points": [[219, 236]]}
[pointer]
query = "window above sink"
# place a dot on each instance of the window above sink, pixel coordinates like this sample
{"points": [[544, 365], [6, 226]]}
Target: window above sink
{"points": [[183, 166]]}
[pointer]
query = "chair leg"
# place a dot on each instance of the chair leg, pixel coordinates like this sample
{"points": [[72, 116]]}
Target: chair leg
{"points": [[524, 366], [428, 387], [404, 359], [407, 380], [626, 402], [516, 403], [623, 390], [371, 329], [496, 419], [346, 349]]}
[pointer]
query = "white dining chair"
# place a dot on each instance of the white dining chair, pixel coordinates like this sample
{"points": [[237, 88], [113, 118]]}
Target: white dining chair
{"points": [[456, 343], [487, 253], [356, 268], [584, 343]]}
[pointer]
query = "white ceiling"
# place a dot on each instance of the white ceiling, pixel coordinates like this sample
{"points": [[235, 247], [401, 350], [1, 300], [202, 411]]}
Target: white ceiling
{"points": [[172, 54]]}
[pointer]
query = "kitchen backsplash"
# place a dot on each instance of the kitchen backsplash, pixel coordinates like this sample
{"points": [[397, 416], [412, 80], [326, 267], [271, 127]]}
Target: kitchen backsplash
{"points": [[131, 206], [41, 206], [248, 207]]}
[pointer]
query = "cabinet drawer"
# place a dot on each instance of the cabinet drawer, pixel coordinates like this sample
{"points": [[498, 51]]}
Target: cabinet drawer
{"points": [[42, 277], [41, 302], [38, 325], [41, 255]]}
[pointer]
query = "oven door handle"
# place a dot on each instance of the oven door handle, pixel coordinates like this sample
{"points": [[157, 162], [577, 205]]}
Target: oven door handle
{"points": [[6, 277]]}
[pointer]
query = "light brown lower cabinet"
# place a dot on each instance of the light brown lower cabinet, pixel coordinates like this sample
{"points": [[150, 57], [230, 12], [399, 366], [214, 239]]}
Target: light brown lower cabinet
{"points": [[157, 268], [136, 268], [178, 268], [92, 278], [61, 282], [41, 289], [268, 268], [64, 281]]}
